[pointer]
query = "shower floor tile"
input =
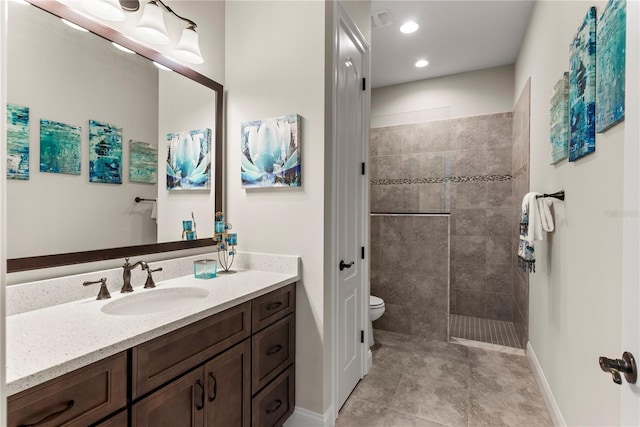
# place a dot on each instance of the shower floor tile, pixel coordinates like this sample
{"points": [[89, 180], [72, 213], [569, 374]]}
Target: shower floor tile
{"points": [[413, 382], [483, 330]]}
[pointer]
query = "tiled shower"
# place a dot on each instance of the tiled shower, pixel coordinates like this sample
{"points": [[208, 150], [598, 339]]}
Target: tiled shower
{"points": [[443, 223]]}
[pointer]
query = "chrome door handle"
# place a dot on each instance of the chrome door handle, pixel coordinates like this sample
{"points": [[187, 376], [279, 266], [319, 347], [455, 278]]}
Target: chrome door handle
{"points": [[343, 265], [626, 366]]}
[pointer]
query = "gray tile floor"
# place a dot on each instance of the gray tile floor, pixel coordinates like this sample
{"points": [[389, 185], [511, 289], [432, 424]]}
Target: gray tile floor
{"points": [[415, 382]]}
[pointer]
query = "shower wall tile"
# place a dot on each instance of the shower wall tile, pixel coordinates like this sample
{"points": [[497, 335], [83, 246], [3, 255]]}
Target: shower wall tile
{"points": [[499, 307], [470, 303], [412, 273], [471, 161], [468, 276], [499, 222], [469, 222]]}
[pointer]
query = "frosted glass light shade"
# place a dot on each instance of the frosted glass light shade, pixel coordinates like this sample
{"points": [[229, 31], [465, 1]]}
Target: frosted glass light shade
{"points": [[151, 25], [107, 9], [188, 48]]}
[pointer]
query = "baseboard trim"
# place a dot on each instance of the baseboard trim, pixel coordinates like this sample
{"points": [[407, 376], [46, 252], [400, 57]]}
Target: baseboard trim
{"points": [[304, 418], [545, 389]]}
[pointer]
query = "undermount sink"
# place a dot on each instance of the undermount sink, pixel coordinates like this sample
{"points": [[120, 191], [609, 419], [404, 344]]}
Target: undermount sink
{"points": [[145, 301]]}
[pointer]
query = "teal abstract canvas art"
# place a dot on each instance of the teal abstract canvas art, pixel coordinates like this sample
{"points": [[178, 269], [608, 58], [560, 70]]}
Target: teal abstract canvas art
{"points": [[559, 115], [105, 153], [60, 146], [582, 89], [271, 152], [17, 142], [610, 65], [189, 160], [143, 162]]}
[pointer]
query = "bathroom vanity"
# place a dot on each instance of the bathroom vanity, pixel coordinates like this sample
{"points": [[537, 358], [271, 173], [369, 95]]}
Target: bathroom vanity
{"points": [[227, 360]]}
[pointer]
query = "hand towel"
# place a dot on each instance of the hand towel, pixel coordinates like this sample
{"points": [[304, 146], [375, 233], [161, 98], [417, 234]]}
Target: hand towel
{"points": [[544, 209], [530, 230], [154, 210]]}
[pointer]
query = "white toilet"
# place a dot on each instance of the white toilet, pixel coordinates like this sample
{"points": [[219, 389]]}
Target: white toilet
{"points": [[376, 310]]}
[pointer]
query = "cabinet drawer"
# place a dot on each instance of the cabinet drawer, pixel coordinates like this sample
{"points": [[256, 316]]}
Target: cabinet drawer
{"points": [[79, 398], [273, 405], [272, 306], [273, 350], [162, 359]]}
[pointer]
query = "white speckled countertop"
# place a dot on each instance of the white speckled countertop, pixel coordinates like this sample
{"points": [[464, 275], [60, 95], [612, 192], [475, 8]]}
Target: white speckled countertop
{"points": [[46, 343]]}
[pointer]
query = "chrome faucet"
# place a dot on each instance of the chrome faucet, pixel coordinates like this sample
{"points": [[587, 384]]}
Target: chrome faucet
{"points": [[126, 274]]}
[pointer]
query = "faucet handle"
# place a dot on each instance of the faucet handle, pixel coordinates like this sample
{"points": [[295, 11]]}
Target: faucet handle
{"points": [[150, 283], [104, 292]]}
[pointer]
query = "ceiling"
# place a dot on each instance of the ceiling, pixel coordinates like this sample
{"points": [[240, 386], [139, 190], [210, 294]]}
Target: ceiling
{"points": [[454, 36]]}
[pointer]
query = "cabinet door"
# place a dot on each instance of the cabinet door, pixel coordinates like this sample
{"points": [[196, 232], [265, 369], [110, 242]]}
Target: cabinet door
{"points": [[227, 379], [160, 360], [178, 404]]}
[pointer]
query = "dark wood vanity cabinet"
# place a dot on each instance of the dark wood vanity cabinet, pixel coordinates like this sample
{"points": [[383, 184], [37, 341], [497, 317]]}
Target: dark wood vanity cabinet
{"points": [[232, 369], [79, 398]]}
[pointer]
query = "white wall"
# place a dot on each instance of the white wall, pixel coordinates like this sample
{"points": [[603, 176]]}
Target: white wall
{"points": [[460, 95], [275, 65], [575, 294], [67, 76]]}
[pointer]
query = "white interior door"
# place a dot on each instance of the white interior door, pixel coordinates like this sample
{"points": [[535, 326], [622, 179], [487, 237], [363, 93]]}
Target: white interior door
{"points": [[630, 411], [350, 138]]}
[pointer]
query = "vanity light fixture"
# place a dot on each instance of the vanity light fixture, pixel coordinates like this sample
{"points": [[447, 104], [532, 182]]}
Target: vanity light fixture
{"points": [[421, 63], [122, 48], [74, 26], [409, 27], [151, 26]]}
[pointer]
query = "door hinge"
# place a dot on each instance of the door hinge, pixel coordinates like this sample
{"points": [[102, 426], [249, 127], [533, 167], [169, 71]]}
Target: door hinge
{"points": [[362, 337], [364, 83], [362, 252], [363, 168]]}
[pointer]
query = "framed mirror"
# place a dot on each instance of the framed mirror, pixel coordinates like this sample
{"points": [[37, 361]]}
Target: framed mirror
{"points": [[93, 116]]}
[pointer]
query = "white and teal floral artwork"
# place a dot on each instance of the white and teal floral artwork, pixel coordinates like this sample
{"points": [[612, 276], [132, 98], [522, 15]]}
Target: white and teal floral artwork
{"points": [[559, 114], [17, 142], [60, 146], [143, 162], [271, 152], [105, 153], [189, 160], [610, 65], [582, 89]]}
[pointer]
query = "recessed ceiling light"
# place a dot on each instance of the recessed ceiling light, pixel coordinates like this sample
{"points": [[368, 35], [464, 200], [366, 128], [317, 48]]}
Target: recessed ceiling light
{"points": [[74, 26], [422, 63], [162, 67], [409, 27], [122, 48]]}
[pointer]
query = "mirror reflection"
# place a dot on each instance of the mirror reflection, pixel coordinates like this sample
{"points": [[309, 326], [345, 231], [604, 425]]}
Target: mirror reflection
{"points": [[98, 123]]}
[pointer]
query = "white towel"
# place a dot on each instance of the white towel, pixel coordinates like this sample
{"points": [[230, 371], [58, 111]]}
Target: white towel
{"points": [[530, 207], [544, 210], [154, 210]]}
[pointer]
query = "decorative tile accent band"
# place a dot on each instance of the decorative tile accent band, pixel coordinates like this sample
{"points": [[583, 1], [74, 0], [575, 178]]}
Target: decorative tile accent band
{"points": [[443, 180]]}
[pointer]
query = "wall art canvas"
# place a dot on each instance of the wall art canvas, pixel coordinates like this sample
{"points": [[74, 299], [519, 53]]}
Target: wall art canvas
{"points": [[143, 162], [582, 89], [610, 65], [105, 153], [60, 146], [271, 152], [559, 114], [17, 142], [189, 160]]}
